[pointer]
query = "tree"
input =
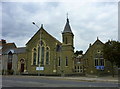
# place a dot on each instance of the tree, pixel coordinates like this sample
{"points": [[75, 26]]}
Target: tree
{"points": [[78, 52], [111, 52]]}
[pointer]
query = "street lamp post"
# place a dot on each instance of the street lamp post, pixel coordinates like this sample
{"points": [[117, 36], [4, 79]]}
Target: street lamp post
{"points": [[40, 54], [39, 50], [35, 24]]}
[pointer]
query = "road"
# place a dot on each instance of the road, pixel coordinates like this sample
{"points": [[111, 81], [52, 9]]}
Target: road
{"points": [[27, 81]]}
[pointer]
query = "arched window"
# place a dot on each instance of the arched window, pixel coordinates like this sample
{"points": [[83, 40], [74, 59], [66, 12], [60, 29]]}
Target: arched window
{"points": [[66, 63], [38, 54], [101, 62], [66, 40], [47, 55], [42, 55], [34, 56], [59, 61], [96, 61]]}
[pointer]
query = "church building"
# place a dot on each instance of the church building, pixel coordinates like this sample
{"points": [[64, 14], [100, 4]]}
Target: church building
{"points": [[48, 56]]}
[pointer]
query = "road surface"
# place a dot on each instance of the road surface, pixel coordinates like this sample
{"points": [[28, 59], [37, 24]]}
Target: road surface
{"points": [[27, 81]]}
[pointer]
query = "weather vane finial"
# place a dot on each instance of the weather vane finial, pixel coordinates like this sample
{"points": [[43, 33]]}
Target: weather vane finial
{"points": [[67, 15]]}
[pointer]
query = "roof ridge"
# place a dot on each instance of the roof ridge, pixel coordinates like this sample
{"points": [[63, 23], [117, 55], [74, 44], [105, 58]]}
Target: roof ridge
{"points": [[38, 32]]}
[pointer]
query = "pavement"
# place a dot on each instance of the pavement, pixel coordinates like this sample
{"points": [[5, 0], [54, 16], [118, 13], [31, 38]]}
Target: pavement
{"points": [[89, 79]]}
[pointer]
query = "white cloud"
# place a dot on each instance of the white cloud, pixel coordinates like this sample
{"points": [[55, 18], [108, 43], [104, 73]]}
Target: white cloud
{"points": [[87, 20], [60, 1]]}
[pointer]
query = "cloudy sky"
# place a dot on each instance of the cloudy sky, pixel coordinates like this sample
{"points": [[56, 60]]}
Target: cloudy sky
{"points": [[88, 21]]}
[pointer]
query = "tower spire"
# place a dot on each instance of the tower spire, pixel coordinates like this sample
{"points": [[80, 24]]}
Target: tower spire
{"points": [[67, 18], [67, 27]]}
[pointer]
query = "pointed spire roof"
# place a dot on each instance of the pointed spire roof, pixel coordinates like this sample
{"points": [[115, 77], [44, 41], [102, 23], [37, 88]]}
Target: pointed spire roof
{"points": [[67, 27]]}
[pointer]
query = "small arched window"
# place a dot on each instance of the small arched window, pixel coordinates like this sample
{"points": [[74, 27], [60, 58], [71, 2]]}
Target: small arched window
{"points": [[66, 63], [59, 61], [66, 40]]}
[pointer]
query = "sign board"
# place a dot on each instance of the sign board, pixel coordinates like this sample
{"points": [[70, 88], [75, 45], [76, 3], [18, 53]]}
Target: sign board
{"points": [[100, 67], [39, 68]]}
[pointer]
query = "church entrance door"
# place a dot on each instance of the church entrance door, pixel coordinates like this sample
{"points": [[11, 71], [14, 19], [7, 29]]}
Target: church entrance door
{"points": [[22, 65]]}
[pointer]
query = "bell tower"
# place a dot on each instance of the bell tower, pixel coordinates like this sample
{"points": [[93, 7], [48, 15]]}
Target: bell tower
{"points": [[67, 34], [67, 49]]}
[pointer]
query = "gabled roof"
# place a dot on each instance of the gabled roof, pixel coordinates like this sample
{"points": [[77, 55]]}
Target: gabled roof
{"points": [[96, 42], [42, 29], [7, 47], [67, 27]]}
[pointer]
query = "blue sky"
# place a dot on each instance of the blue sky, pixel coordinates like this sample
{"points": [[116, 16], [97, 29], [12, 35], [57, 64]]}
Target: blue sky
{"points": [[88, 21]]}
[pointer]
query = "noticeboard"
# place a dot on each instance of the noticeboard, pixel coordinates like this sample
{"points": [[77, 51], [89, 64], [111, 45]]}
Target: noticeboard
{"points": [[100, 67], [39, 68]]}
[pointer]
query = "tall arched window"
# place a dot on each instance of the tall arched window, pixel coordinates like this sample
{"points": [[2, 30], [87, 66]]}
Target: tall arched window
{"points": [[41, 52], [42, 55], [34, 56], [47, 55], [38, 54]]}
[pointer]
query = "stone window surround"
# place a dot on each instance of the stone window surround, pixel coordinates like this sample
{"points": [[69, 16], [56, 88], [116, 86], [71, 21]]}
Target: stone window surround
{"points": [[45, 51]]}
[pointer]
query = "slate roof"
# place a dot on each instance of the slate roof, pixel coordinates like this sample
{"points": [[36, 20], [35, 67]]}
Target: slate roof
{"points": [[67, 27], [6, 47], [20, 50], [12, 47]]}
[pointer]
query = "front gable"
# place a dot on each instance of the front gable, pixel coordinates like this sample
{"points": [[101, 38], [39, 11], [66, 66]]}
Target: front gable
{"points": [[97, 45], [45, 36]]}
